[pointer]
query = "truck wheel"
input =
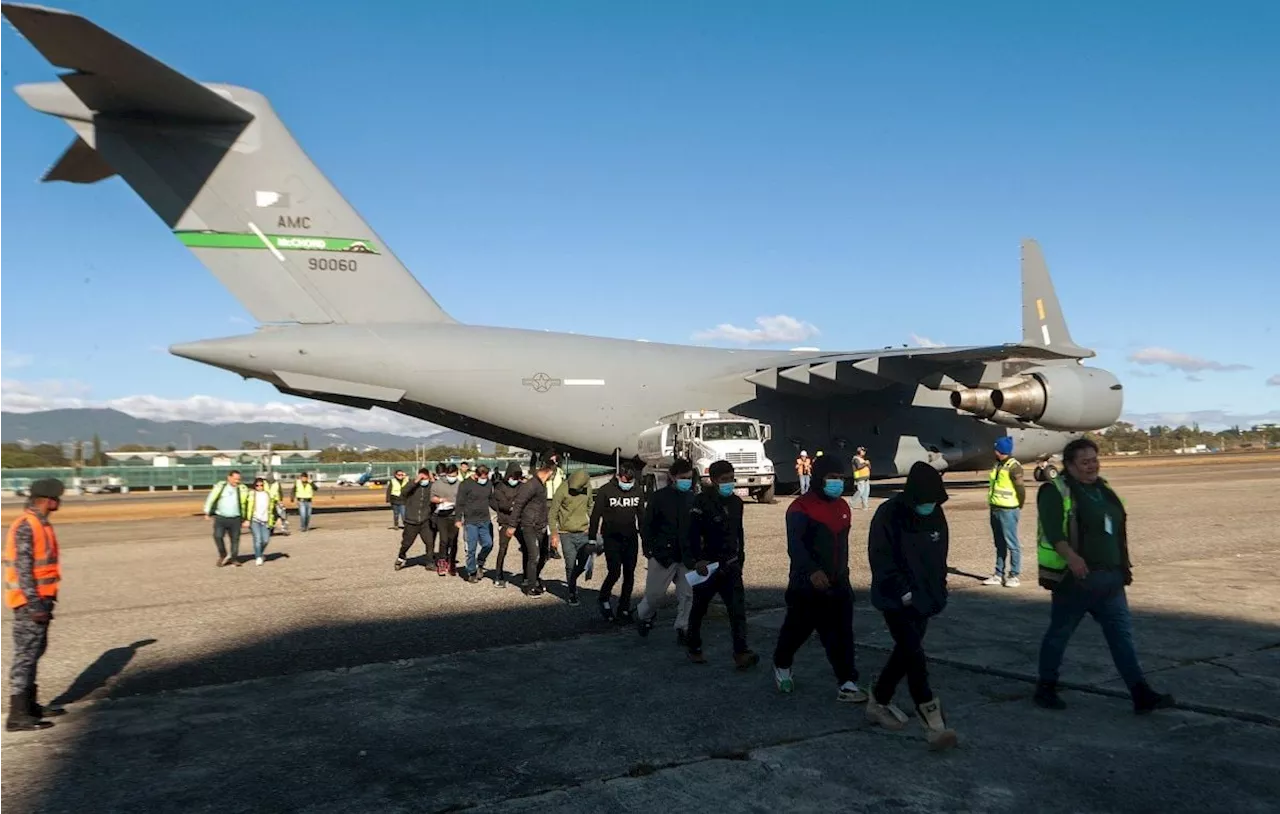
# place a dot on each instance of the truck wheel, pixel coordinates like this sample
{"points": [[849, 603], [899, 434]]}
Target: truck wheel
{"points": [[766, 495]]}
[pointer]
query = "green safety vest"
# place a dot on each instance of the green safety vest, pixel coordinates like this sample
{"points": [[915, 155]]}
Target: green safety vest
{"points": [[1001, 493], [304, 491], [1052, 565]]}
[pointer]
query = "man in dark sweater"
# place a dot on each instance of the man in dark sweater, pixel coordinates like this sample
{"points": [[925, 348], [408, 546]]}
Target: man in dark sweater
{"points": [[529, 512], [501, 500], [473, 520], [663, 531], [819, 595], [716, 549], [416, 499], [1083, 554], [907, 549], [444, 494], [616, 519]]}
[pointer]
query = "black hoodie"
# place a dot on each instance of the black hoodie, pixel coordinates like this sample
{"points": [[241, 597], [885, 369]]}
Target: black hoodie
{"points": [[504, 494], [908, 551], [616, 513], [715, 530]]}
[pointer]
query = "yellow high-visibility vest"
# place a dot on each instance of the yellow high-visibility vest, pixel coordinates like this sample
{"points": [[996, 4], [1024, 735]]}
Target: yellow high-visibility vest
{"points": [[304, 490], [1002, 494]]}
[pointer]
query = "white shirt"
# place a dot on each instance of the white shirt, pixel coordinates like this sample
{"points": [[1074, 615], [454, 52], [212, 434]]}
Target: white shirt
{"points": [[260, 502]]}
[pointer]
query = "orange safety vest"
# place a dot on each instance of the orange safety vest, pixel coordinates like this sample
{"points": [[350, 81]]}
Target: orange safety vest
{"points": [[44, 545]]}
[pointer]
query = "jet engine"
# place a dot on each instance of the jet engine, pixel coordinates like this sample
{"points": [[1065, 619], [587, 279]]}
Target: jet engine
{"points": [[1070, 399]]}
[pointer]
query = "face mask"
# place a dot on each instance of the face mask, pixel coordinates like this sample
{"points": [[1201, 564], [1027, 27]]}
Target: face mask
{"points": [[626, 485], [726, 489], [833, 488], [926, 509], [512, 482], [684, 484], [482, 481], [451, 478]]}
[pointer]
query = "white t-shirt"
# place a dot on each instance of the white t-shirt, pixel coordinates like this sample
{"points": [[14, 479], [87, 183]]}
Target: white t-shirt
{"points": [[260, 502]]}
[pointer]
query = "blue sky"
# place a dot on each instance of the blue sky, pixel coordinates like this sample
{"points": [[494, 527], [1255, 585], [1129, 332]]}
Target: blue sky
{"points": [[863, 170]]}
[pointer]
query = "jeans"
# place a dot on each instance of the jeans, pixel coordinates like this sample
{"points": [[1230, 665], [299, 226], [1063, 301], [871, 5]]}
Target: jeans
{"points": [[804, 483], [1100, 594], [478, 534], [862, 493], [830, 613], [576, 547], [261, 533], [397, 514], [1004, 527], [304, 514]]}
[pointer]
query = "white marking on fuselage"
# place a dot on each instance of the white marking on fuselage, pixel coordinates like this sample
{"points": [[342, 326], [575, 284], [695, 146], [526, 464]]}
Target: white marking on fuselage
{"points": [[584, 382], [254, 227], [1044, 331]]}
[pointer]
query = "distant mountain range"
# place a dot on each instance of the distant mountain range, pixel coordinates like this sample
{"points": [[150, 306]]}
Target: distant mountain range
{"points": [[115, 429]]}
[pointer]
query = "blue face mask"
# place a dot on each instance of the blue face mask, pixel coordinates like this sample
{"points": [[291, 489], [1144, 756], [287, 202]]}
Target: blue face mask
{"points": [[726, 489], [482, 481], [926, 509], [626, 485], [513, 482], [833, 488], [684, 484]]}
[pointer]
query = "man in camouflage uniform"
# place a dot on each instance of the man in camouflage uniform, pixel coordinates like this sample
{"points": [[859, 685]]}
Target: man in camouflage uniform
{"points": [[31, 577]]}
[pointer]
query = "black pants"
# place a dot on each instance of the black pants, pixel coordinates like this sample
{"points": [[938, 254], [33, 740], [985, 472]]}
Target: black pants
{"points": [[726, 583], [412, 531], [227, 526], [620, 556], [907, 627], [828, 612], [447, 548], [536, 550], [502, 542]]}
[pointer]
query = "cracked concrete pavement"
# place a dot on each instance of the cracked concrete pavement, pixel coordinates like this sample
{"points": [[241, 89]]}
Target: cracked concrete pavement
{"points": [[325, 682]]}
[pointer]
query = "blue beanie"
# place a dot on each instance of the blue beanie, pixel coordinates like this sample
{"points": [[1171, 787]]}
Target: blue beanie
{"points": [[1004, 445]]}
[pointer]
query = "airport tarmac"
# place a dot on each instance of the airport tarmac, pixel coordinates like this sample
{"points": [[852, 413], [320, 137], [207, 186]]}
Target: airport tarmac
{"points": [[324, 681]]}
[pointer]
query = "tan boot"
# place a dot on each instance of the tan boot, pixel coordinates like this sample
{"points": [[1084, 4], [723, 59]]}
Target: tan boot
{"points": [[935, 728]]}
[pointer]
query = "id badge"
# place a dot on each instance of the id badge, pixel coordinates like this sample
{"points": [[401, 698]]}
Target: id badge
{"points": [[1106, 524]]}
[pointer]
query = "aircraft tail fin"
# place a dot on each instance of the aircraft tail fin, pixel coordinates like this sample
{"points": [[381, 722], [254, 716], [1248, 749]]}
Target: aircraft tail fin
{"points": [[224, 174], [1043, 324]]}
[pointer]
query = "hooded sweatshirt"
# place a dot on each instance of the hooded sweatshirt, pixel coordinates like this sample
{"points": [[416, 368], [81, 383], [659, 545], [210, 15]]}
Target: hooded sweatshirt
{"points": [[908, 551], [617, 512], [818, 531], [571, 504], [715, 530], [504, 494]]}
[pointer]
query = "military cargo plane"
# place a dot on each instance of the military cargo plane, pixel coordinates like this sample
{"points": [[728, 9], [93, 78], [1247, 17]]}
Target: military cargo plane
{"points": [[220, 169]]}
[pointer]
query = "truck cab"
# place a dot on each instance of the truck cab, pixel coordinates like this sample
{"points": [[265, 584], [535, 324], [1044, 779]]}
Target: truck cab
{"points": [[704, 437]]}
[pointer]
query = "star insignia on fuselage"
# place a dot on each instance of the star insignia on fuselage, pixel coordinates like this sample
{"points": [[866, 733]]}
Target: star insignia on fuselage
{"points": [[541, 382]]}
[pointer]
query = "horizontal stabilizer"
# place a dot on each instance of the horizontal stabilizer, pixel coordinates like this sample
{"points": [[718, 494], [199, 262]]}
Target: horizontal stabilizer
{"points": [[112, 77], [80, 164]]}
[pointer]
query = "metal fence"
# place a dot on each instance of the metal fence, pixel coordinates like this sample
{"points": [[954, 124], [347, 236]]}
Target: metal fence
{"points": [[152, 478]]}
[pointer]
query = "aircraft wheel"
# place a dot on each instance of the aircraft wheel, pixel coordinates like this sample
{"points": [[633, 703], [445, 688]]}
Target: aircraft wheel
{"points": [[766, 495]]}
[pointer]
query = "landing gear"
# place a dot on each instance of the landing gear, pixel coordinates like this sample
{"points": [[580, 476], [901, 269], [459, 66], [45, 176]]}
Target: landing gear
{"points": [[1046, 473]]}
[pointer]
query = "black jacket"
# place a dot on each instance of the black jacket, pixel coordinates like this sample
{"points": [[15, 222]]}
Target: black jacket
{"points": [[818, 539], [473, 502], [417, 502], [665, 526], [715, 530], [504, 494], [617, 513], [529, 507], [907, 551]]}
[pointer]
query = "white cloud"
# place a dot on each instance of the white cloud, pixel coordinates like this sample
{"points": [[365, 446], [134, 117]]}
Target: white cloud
{"points": [[14, 361], [779, 328], [925, 342], [1274, 381], [1212, 420], [1179, 361], [31, 396]]}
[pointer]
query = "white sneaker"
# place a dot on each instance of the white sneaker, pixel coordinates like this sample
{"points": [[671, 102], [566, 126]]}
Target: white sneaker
{"points": [[886, 715], [258, 561], [851, 693], [994, 579], [783, 679], [1012, 582]]}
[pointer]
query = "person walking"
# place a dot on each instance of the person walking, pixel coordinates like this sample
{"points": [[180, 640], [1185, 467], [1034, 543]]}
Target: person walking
{"points": [[417, 516], [862, 479], [569, 518], [617, 518], [553, 483], [716, 549], [304, 491], [804, 470], [1083, 558], [395, 497], [228, 505], [664, 528], [473, 520], [32, 574], [502, 501], [819, 595], [529, 511], [262, 515], [1005, 495], [907, 547], [444, 494]]}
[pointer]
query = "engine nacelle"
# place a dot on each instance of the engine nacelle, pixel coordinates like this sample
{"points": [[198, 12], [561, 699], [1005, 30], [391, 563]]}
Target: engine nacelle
{"points": [[1065, 398], [975, 400]]}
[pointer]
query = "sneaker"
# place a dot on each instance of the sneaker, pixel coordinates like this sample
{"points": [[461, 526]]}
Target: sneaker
{"points": [[224, 561], [1046, 696], [745, 660], [606, 610], [696, 657], [623, 616], [851, 693], [782, 678], [643, 627], [1012, 582], [886, 715], [573, 599], [258, 560], [473, 577], [994, 579], [1147, 700], [399, 563], [500, 583]]}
